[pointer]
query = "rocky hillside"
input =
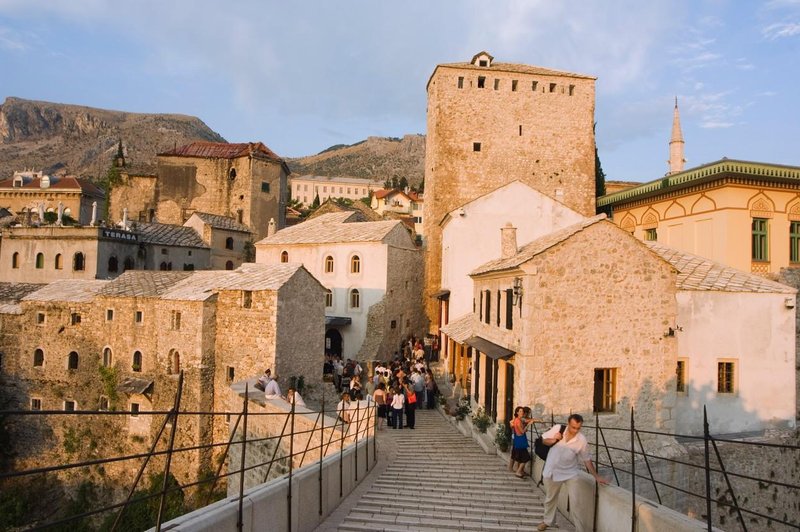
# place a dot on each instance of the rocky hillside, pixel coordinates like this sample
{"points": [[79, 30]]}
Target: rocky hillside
{"points": [[60, 138], [378, 157]]}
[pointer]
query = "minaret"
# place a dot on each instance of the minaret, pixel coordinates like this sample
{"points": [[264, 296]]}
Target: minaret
{"points": [[676, 159]]}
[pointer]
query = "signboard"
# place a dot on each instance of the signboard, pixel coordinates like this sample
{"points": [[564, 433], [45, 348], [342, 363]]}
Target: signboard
{"points": [[116, 234]]}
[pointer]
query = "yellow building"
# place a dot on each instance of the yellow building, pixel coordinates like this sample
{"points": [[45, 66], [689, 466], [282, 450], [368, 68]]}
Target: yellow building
{"points": [[36, 192], [741, 214]]}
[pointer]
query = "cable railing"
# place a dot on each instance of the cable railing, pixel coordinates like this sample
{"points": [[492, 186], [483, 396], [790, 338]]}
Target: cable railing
{"points": [[294, 447], [726, 496]]}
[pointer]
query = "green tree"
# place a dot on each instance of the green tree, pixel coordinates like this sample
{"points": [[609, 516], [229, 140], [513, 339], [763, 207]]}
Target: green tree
{"points": [[599, 179], [315, 203], [142, 515], [402, 183]]}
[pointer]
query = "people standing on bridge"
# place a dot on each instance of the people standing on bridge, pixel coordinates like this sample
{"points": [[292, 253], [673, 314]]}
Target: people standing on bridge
{"points": [[380, 399], [398, 402], [567, 451], [411, 404]]}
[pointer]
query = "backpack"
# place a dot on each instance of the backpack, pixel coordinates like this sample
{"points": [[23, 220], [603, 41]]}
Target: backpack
{"points": [[541, 449]]}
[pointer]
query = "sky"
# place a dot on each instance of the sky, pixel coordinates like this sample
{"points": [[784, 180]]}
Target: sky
{"points": [[302, 76]]}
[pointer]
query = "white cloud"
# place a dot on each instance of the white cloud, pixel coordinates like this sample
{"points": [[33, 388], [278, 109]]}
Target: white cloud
{"points": [[781, 29], [11, 40]]}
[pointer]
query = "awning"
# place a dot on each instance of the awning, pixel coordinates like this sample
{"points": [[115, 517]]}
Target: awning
{"points": [[132, 385], [338, 320], [460, 329], [442, 294], [488, 348]]}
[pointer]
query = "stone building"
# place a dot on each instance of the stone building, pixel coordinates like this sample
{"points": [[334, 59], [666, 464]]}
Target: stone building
{"points": [[492, 123], [46, 253], [305, 188], [121, 345], [563, 325], [372, 272], [34, 191], [246, 181], [231, 243], [402, 203]]}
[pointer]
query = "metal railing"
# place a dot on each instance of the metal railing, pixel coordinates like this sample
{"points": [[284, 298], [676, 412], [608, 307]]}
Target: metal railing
{"points": [[340, 435], [746, 516]]}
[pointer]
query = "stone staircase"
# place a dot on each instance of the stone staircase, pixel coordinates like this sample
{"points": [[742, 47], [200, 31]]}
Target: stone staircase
{"points": [[438, 479]]}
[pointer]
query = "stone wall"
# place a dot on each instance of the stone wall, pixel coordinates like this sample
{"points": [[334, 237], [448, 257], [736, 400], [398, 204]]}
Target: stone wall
{"points": [[542, 138], [791, 276], [137, 193]]}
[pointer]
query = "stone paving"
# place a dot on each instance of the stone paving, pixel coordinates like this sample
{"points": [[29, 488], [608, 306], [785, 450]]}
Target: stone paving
{"points": [[434, 478]]}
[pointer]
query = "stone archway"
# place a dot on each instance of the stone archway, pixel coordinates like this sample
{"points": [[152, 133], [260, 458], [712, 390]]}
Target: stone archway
{"points": [[333, 342]]}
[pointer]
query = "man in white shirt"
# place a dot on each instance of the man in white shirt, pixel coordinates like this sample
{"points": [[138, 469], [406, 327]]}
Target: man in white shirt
{"points": [[567, 451], [272, 390]]}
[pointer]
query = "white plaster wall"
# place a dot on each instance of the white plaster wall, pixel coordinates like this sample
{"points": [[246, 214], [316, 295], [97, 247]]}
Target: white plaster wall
{"points": [[371, 282], [758, 331], [474, 239]]}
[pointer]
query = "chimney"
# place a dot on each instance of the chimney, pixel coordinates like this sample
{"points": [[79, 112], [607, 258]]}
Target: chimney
{"points": [[508, 241], [271, 227]]}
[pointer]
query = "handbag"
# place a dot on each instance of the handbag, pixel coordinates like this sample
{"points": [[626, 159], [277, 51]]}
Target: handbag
{"points": [[541, 449], [412, 398]]}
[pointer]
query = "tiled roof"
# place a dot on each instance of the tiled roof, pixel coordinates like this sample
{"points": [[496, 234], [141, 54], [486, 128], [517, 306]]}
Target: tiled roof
{"points": [[509, 67], [222, 222], [70, 290], [384, 192], [12, 293], [530, 250], [330, 228], [140, 283], [249, 276], [699, 273], [168, 235], [460, 329], [223, 150], [65, 183], [345, 180]]}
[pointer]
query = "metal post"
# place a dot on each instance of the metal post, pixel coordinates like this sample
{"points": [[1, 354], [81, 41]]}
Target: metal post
{"points": [[291, 470], [321, 451], [222, 462], [341, 452], [708, 469], [375, 435], [358, 425], [649, 470], [597, 454], [730, 487], [608, 453], [633, 477], [240, 519], [175, 409]]}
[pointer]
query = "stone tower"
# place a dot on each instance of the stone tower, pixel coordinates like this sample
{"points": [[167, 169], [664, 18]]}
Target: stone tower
{"points": [[676, 159], [492, 123]]}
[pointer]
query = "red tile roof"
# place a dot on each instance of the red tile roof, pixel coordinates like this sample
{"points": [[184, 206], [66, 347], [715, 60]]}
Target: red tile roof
{"points": [[66, 183], [223, 150]]}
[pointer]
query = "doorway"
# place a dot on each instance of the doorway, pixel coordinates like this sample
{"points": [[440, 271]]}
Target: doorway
{"points": [[333, 342]]}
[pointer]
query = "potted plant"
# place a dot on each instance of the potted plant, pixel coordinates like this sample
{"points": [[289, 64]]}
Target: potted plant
{"points": [[481, 421], [502, 438]]}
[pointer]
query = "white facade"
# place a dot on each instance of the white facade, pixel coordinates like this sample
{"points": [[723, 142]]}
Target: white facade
{"points": [[305, 188], [754, 331], [471, 234]]}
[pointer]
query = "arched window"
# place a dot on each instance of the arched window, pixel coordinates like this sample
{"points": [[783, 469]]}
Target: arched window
{"points": [[113, 264], [108, 357], [39, 261], [72, 360], [229, 265], [229, 243], [137, 361], [355, 299], [59, 262], [15, 260], [329, 264], [284, 256], [129, 264], [78, 262], [174, 362], [232, 174], [355, 264], [38, 358], [329, 298]]}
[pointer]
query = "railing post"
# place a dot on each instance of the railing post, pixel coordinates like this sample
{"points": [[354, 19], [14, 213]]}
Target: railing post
{"points": [[358, 423], [633, 476], [608, 453], [291, 470], [649, 470], [597, 454], [730, 486], [173, 430], [321, 450], [707, 468], [341, 451], [240, 519]]}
